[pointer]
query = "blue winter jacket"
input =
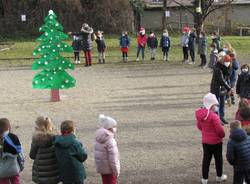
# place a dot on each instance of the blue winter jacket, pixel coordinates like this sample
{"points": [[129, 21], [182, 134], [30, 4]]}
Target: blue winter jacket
{"points": [[235, 67], [165, 42], [238, 150], [124, 41]]}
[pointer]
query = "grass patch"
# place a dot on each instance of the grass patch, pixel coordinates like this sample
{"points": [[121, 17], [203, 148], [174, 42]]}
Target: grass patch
{"points": [[23, 49]]}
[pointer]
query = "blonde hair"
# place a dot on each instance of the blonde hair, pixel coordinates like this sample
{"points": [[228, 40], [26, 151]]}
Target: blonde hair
{"points": [[230, 48], [43, 124], [234, 125]]}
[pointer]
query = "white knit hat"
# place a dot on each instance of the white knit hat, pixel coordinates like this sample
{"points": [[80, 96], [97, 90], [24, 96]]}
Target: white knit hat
{"points": [[107, 122], [221, 55], [209, 100]]}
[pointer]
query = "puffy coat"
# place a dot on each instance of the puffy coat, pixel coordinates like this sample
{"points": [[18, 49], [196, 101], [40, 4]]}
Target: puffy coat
{"points": [[87, 37], [220, 79], [165, 42], [152, 42], [185, 40], [70, 155], [233, 75], [243, 85], [208, 122], [106, 153], [45, 167], [124, 41], [77, 43], [191, 41], [101, 46], [238, 150], [142, 40], [202, 49]]}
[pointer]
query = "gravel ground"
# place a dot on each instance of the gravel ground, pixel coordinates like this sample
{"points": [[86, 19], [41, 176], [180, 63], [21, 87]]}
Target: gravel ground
{"points": [[154, 105]]}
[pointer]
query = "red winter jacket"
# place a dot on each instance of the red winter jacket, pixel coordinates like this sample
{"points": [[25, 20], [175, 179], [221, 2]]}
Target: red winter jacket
{"points": [[208, 122], [142, 40], [245, 123]]}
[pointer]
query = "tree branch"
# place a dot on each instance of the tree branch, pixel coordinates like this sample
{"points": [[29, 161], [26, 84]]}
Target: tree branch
{"points": [[185, 7]]}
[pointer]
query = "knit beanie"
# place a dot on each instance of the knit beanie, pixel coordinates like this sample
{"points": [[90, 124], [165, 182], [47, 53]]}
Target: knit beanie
{"points": [[209, 100], [107, 122]]}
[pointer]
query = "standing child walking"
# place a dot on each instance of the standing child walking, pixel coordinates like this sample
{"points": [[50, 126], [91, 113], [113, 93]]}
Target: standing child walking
{"points": [[42, 151], [11, 157], [141, 43], [165, 45], [152, 45], [238, 153], [106, 151], [208, 122], [70, 155], [202, 49], [124, 45], [101, 46], [76, 44]]}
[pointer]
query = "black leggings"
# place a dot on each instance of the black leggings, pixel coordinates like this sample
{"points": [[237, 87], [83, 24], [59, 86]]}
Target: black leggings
{"points": [[185, 53], [208, 152], [77, 57], [203, 59], [124, 54]]}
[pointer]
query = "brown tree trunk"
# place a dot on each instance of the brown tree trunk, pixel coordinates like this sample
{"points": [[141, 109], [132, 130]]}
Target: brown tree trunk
{"points": [[55, 96]]}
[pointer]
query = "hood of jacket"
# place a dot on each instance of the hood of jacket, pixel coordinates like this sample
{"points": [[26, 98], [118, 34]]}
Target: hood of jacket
{"points": [[43, 138], [64, 141], [238, 135], [202, 114], [103, 135]]}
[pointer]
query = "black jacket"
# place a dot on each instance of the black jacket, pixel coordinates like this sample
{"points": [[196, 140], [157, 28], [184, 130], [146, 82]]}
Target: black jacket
{"points": [[8, 148], [86, 41], [238, 150], [243, 85], [192, 41], [45, 168], [220, 79], [152, 42], [101, 46]]}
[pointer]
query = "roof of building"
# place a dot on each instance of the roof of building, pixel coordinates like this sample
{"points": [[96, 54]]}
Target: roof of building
{"points": [[171, 3]]}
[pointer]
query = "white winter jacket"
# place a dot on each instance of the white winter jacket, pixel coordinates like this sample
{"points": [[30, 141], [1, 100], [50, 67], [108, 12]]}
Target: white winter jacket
{"points": [[106, 153]]}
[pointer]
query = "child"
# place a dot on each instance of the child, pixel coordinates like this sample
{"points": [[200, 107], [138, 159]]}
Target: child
{"points": [[152, 44], [124, 45], [106, 151], [165, 45], [42, 151], [76, 44], [208, 122], [70, 155], [213, 56], [184, 43], [243, 83], [238, 153], [10, 153], [242, 104], [233, 75], [216, 40], [202, 49], [101, 46], [141, 43], [245, 114], [191, 45]]}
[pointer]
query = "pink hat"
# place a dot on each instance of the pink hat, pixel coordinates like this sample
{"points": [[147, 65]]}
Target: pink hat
{"points": [[186, 29], [227, 58], [209, 100]]}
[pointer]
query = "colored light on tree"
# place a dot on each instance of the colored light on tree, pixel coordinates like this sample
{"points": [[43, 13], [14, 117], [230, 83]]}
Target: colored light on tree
{"points": [[53, 75]]}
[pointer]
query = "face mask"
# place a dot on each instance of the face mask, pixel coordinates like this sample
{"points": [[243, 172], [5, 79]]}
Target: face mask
{"points": [[216, 108], [123, 34], [6, 132], [201, 36], [245, 70], [212, 37], [225, 49], [115, 130], [227, 64]]}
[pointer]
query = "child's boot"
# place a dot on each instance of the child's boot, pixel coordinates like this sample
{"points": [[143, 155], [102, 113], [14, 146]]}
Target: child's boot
{"points": [[204, 181], [221, 179], [103, 61], [126, 59]]}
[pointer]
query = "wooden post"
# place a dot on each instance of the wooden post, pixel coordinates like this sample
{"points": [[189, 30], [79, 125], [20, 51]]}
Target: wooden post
{"points": [[55, 96]]}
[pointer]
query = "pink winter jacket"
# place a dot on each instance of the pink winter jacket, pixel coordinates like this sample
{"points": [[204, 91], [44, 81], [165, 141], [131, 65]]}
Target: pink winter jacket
{"points": [[106, 153], [210, 126]]}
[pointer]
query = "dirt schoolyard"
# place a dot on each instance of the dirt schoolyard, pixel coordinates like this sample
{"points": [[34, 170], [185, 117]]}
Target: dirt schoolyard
{"points": [[153, 104]]}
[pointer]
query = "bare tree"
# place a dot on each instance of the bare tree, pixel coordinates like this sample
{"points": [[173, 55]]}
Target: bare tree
{"points": [[200, 9]]}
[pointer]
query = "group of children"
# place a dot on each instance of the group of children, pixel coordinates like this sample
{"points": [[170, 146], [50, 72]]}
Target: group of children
{"points": [[59, 158], [238, 147]]}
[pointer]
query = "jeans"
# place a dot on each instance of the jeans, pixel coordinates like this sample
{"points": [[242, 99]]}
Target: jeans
{"points": [[208, 152], [239, 176], [142, 49], [10, 180], [221, 100], [108, 179], [185, 53], [192, 54]]}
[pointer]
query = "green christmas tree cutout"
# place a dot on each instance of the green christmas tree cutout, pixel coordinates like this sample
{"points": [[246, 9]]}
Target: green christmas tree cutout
{"points": [[53, 75]]}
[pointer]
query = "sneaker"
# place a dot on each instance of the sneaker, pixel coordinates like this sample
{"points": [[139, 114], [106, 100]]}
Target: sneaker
{"points": [[225, 123], [204, 181], [190, 63], [79, 62], [221, 179], [137, 59], [186, 61]]}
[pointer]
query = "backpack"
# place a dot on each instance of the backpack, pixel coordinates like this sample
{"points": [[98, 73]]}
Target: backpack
{"points": [[165, 41]]}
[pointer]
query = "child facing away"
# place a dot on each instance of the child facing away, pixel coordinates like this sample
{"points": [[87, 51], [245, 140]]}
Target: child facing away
{"points": [[216, 40], [11, 157], [106, 151], [213, 56], [165, 45], [141, 43], [76, 44], [124, 45], [202, 48], [152, 45], [101, 46], [238, 153], [233, 74], [243, 103], [70, 155], [208, 122], [45, 167], [184, 43]]}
